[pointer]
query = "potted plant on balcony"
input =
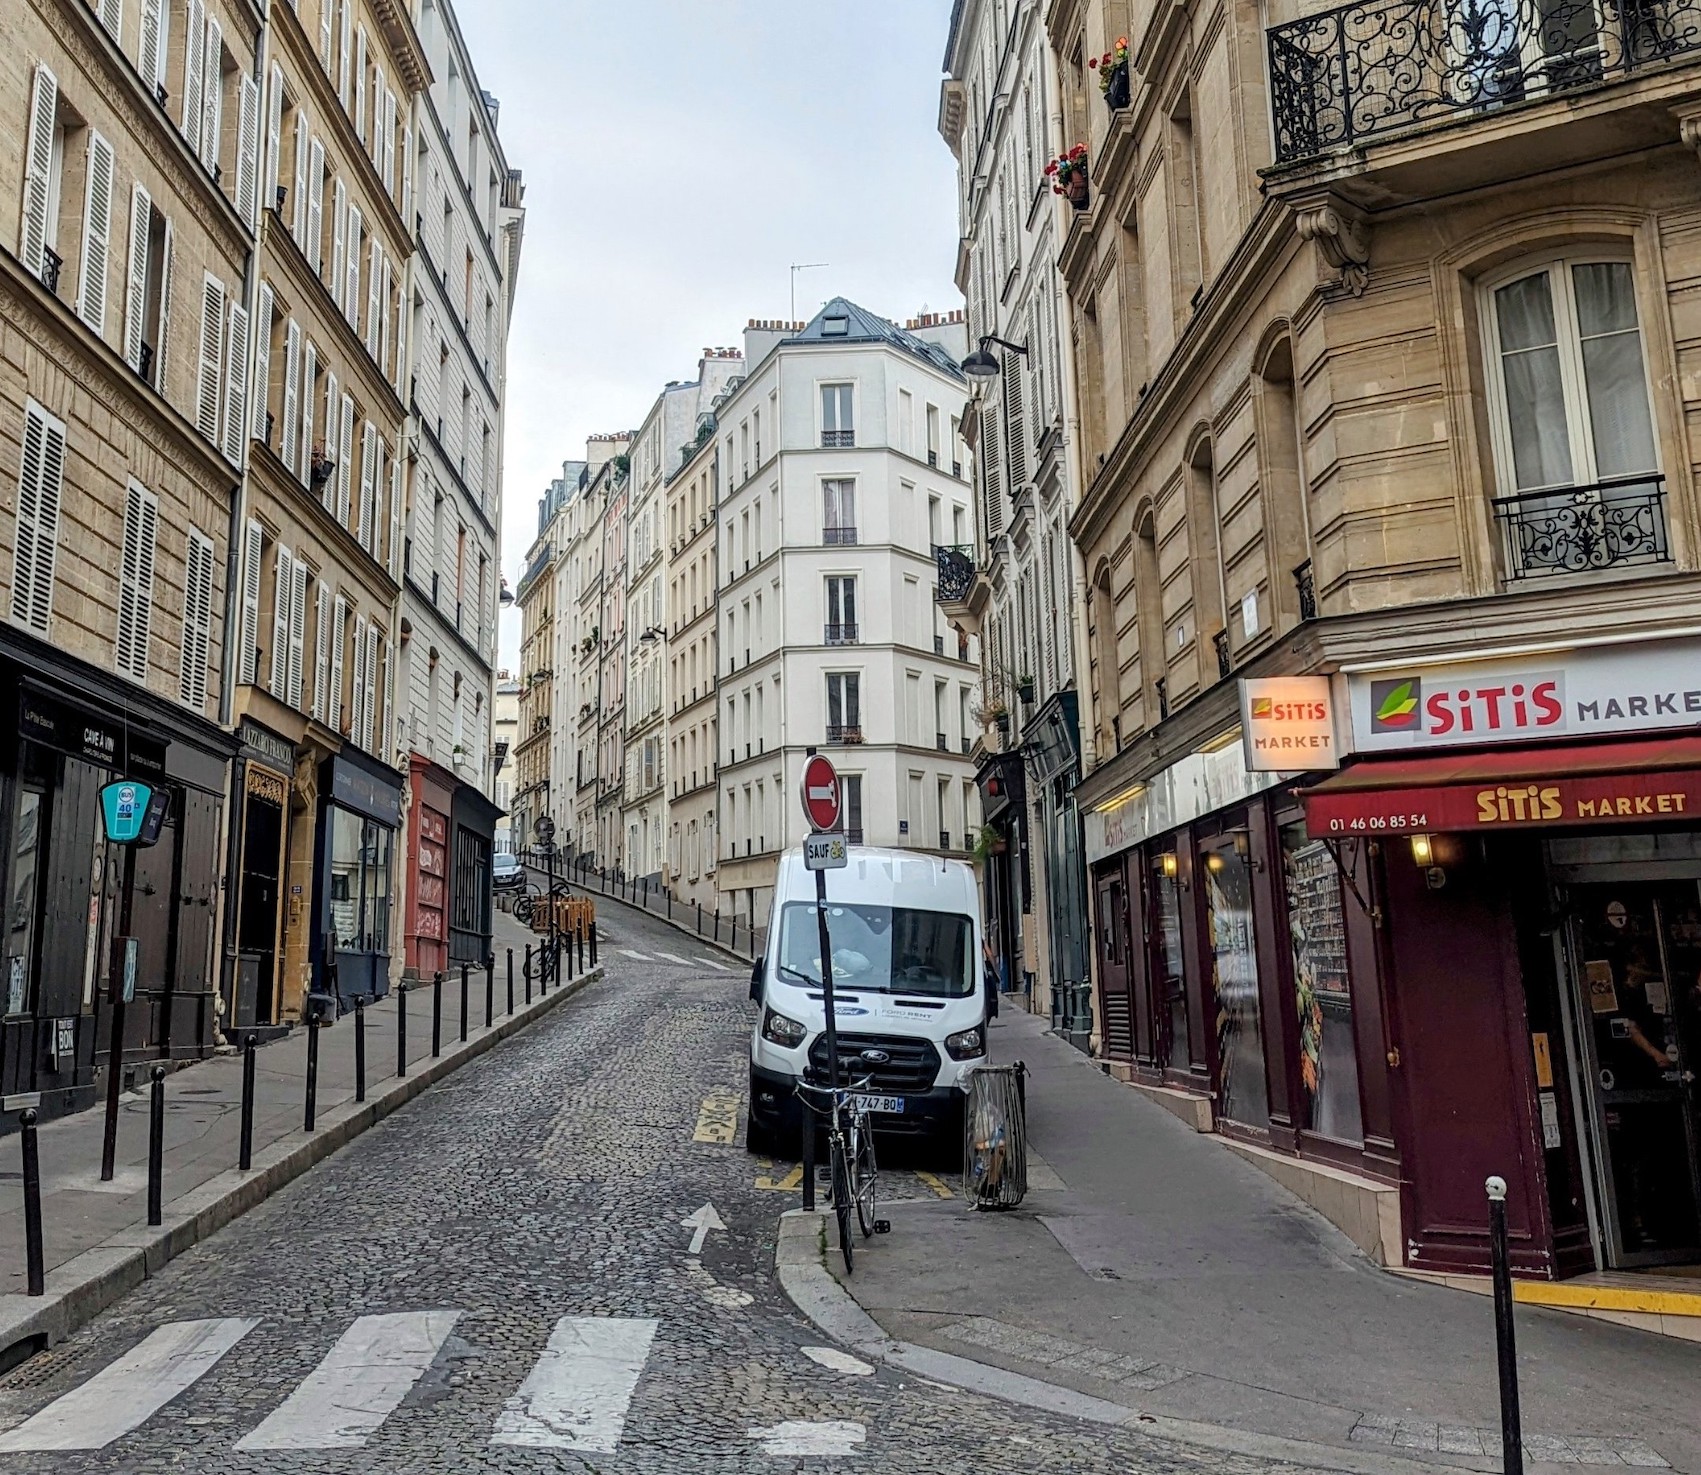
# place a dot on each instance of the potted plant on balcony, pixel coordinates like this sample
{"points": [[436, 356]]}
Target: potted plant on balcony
{"points": [[459, 756], [989, 843], [1068, 175], [1025, 689], [319, 467], [1112, 68]]}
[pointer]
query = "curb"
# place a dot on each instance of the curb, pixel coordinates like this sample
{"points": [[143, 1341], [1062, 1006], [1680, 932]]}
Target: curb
{"points": [[85, 1285], [799, 1261]]}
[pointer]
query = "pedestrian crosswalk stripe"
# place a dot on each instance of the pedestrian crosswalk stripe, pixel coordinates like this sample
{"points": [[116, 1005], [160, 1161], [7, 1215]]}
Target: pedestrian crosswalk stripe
{"points": [[711, 963], [640, 957], [128, 1392], [577, 1395], [358, 1384], [673, 958], [810, 1437]]}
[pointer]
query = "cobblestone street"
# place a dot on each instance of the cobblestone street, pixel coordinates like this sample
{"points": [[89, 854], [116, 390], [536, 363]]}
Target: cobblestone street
{"points": [[498, 1278]]}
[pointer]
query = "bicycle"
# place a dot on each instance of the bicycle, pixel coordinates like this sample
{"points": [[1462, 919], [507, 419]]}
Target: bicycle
{"points": [[532, 898], [854, 1175]]}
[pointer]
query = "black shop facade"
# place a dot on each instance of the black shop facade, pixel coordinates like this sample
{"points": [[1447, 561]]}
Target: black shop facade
{"points": [[1471, 948], [71, 897]]}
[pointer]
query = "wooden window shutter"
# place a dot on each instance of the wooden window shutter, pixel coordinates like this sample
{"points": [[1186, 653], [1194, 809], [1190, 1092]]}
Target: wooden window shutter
{"points": [[163, 347], [248, 152], [339, 640], [315, 243], [150, 53], [136, 276], [194, 79], [237, 359], [351, 282], [357, 715], [197, 620], [298, 210], [212, 92], [992, 481], [261, 388], [38, 176], [297, 632], [309, 372], [207, 372], [273, 173], [339, 241], [248, 666], [136, 581], [40, 484], [322, 653], [283, 580], [97, 234], [368, 475], [291, 394], [345, 459]]}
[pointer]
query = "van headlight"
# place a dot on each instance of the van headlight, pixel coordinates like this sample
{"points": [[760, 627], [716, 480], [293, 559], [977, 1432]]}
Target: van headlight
{"points": [[966, 1044], [779, 1030]]}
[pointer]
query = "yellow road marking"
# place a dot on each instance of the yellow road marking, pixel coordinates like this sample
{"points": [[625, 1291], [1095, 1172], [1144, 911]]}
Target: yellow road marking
{"points": [[791, 1183], [717, 1121], [935, 1183]]}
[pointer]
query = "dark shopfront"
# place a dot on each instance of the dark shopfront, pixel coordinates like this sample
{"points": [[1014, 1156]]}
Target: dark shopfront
{"points": [[472, 826], [68, 892], [1005, 870], [360, 810]]}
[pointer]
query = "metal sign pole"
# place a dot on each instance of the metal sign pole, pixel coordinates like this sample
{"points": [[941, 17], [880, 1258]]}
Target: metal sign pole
{"points": [[827, 983]]}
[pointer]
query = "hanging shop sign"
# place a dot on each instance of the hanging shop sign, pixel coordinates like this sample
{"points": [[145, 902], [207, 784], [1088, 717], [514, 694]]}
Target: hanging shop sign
{"points": [[133, 812], [1642, 687], [1287, 724]]}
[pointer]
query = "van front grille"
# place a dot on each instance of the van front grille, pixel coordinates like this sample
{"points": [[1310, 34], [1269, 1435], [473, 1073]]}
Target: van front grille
{"points": [[911, 1065]]}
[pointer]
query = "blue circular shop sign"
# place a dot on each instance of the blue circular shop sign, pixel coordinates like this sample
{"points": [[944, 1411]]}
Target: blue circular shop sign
{"points": [[132, 811]]}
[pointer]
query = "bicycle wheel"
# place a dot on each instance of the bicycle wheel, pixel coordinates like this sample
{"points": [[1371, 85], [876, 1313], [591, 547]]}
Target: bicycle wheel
{"points": [[842, 1196], [865, 1176], [523, 910]]}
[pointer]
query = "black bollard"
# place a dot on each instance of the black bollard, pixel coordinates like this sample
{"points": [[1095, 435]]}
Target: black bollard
{"points": [[1511, 1431], [402, 1030], [489, 992], [312, 1074], [593, 943], [808, 1130], [245, 1152], [528, 971], [360, 1050], [567, 947], [510, 980], [717, 924], [463, 1003], [436, 1015], [32, 1203], [699, 918], [156, 1149], [581, 946]]}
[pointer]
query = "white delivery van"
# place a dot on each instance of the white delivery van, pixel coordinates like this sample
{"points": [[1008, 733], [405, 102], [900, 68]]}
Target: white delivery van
{"points": [[911, 998]]}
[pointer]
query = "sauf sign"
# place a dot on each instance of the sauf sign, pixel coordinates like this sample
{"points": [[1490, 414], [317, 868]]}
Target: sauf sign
{"points": [[1579, 693], [1287, 724]]}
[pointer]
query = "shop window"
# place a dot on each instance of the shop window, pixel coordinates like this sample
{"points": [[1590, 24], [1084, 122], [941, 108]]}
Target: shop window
{"points": [[1577, 464], [1241, 1093], [24, 901], [1169, 979], [1328, 1054], [360, 884]]}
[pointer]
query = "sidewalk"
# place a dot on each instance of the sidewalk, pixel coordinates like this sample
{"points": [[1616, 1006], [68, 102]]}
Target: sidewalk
{"points": [[1151, 1267], [96, 1239]]}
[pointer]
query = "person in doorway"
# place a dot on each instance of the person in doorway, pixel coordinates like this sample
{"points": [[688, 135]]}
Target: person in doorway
{"points": [[995, 974]]}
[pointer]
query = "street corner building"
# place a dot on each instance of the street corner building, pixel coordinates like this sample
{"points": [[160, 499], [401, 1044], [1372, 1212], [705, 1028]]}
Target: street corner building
{"points": [[1386, 390], [209, 402]]}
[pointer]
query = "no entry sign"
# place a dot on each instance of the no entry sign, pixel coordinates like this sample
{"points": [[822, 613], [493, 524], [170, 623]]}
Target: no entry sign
{"points": [[821, 794]]}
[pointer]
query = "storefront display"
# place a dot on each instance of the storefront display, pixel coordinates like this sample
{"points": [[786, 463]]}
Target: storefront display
{"points": [[361, 811], [1322, 987], [1168, 971], [1242, 1094]]}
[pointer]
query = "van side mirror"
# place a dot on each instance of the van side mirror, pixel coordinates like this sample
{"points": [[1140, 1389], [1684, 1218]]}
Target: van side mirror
{"points": [[758, 971]]}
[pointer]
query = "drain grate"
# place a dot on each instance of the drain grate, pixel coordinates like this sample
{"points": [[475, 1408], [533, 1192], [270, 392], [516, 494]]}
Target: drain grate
{"points": [[37, 1368]]}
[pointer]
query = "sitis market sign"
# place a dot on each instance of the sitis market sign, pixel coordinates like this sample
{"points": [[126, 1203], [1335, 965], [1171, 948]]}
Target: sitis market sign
{"points": [[1287, 724], [1583, 693]]}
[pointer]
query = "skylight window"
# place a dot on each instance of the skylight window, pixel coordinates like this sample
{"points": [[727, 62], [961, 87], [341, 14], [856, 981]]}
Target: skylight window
{"points": [[835, 327]]}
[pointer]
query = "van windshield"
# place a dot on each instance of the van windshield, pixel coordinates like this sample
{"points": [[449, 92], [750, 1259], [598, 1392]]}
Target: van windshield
{"points": [[881, 949]]}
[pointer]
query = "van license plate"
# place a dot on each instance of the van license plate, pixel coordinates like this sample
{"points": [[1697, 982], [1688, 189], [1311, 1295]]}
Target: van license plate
{"points": [[892, 1105]]}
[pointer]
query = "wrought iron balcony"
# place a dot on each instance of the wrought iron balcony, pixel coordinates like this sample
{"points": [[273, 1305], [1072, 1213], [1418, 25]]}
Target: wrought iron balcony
{"points": [[52, 263], [842, 733], [1618, 523], [956, 571], [944, 839], [838, 537], [1307, 587], [1225, 661], [1346, 75], [840, 635], [843, 439], [942, 742]]}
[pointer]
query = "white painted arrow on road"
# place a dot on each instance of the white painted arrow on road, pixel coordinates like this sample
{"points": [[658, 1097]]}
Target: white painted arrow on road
{"points": [[702, 1222]]}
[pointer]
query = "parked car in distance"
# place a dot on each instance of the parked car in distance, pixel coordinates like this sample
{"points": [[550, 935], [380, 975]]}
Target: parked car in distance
{"points": [[506, 872]]}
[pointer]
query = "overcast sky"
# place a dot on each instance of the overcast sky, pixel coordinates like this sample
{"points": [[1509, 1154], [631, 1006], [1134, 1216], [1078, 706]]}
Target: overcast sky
{"points": [[678, 157]]}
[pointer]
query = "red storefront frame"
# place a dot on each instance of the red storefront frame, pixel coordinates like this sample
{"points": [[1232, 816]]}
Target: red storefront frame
{"points": [[427, 937]]}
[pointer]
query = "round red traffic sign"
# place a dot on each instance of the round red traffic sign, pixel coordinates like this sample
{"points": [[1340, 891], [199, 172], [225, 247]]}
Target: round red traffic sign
{"points": [[821, 793]]}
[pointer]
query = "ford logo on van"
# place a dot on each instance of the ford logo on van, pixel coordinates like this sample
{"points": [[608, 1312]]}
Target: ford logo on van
{"points": [[875, 1057]]}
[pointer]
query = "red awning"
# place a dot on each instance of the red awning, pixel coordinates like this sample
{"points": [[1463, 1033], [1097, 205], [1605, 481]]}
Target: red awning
{"points": [[1646, 781]]}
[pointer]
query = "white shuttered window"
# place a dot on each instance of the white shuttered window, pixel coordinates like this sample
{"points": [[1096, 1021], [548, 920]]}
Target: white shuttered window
{"points": [[38, 175], [283, 581], [212, 344], [248, 668], [197, 620], [136, 581], [236, 384], [136, 276], [40, 483], [97, 234]]}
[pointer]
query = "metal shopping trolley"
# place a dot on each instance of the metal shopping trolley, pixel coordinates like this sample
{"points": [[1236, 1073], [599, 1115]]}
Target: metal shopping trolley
{"points": [[995, 1137]]}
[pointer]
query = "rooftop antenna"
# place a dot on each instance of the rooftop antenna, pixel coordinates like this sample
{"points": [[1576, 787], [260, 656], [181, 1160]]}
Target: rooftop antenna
{"points": [[798, 266]]}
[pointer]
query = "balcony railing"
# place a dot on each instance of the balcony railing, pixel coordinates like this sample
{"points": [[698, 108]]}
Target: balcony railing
{"points": [[843, 439], [942, 742], [1225, 661], [840, 635], [944, 839], [956, 571], [1349, 74], [844, 536], [844, 734], [853, 835], [1307, 587], [51, 265], [1617, 523]]}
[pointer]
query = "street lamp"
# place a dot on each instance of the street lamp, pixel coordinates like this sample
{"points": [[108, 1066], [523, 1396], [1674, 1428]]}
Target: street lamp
{"points": [[652, 635], [982, 365]]}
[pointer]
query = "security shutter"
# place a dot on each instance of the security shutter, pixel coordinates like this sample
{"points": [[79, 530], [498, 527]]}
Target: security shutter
{"points": [[136, 581], [197, 620], [38, 175], [249, 661], [322, 653], [261, 390], [297, 632], [97, 234], [248, 152], [207, 373], [194, 80], [291, 395], [136, 276], [40, 483], [345, 459], [212, 87], [236, 384], [283, 580]]}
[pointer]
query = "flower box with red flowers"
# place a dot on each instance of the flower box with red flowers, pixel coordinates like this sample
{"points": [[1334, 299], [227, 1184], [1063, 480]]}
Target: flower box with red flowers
{"points": [[1112, 68], [1067, 174]]}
